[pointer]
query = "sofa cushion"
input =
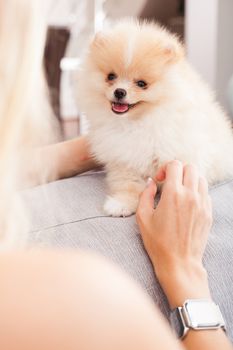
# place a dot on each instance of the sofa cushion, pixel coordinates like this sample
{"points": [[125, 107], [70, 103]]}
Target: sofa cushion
{"points": [[68, 214]]}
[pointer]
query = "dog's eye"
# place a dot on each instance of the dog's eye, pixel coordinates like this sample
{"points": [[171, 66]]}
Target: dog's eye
{"points": [[112, 76], [141, 83]]}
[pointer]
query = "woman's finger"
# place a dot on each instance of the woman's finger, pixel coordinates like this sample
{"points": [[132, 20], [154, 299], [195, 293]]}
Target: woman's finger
{"points": [[146, 201], [191, 177], [174, 174], [161, 173], [202, 186]]}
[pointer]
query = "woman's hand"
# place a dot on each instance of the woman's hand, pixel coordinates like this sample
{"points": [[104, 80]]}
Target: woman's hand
{"points": [[175, 233]]}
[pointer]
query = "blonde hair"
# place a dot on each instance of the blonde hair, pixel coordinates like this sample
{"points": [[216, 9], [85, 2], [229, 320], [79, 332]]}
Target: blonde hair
{"points": [[23, 108]]}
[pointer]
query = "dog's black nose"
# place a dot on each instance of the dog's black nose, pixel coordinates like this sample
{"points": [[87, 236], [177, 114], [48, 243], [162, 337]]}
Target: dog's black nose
{"points": [[120, 93]]}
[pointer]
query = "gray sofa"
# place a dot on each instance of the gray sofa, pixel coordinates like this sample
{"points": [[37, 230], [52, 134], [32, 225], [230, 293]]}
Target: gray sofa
{"points": [[68, 214]]}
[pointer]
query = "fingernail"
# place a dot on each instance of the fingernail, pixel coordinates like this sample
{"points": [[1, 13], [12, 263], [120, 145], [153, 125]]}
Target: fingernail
{"points": [[149, 181]]}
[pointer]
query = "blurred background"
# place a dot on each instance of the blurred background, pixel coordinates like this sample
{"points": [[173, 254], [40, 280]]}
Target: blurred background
{"points": [[206, 28]]}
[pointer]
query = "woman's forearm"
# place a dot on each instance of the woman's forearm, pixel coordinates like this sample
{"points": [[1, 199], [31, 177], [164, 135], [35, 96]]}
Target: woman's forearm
{"points": [[56, 161], [72, 157], [207, 340]]}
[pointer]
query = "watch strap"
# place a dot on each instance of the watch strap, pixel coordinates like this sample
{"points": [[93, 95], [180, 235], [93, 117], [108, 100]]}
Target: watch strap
{"points": [[177, 323]]}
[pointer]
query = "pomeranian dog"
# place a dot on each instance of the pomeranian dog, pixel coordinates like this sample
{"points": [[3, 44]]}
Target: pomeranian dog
{"points": [[146, 106]]}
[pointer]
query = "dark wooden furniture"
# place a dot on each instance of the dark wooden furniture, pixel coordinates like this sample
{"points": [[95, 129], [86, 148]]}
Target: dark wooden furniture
{"points": [[56, 44]]}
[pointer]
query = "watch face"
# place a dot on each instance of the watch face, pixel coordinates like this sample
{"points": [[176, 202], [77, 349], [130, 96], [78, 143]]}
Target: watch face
{"points": [[202, 313]]}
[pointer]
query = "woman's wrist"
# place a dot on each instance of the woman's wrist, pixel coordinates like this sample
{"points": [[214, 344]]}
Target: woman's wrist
{"points": [[182, 282]]}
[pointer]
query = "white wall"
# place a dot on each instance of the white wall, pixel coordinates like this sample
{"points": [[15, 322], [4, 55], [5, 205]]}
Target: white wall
{"points": [[200, 36], [209, 32], [225, 48]]}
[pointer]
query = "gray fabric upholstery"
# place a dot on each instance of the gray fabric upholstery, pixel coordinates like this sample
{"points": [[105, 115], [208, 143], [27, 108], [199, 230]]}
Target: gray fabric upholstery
{"points": [[68, 214]]}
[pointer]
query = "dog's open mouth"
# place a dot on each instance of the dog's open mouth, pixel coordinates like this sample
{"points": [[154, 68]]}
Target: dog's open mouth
{"points": [[121, 108]]}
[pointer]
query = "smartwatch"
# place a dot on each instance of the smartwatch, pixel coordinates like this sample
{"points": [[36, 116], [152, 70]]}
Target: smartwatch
{"points": [[196, 314]]}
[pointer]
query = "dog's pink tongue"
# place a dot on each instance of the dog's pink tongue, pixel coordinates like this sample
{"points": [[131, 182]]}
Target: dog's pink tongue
{"points": [[120, 107]]}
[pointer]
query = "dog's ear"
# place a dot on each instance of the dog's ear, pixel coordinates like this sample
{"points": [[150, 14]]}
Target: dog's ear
{"points": [[99, 40], [173, 52]]}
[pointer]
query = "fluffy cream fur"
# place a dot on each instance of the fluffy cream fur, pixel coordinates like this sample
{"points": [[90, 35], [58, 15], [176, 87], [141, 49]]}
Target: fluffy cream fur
{"points": [[175, 116]]}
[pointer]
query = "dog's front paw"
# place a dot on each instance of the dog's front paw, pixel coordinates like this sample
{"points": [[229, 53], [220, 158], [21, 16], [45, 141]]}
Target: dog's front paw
{"points": [[119, 207]]}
